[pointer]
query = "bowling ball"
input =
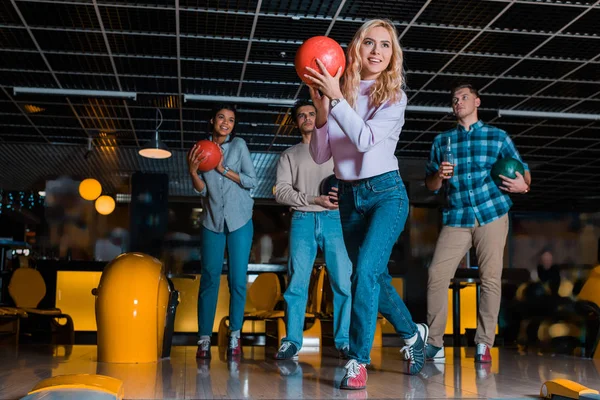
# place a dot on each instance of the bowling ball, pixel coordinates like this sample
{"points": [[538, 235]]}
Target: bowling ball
{"points": [[507, 167], [325, 49], [327, 184], [212, 151]]}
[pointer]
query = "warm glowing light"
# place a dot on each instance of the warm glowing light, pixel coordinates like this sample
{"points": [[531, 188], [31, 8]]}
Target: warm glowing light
{"points": [[90, 189], [157, 154], [105, 205], [31, 109]]}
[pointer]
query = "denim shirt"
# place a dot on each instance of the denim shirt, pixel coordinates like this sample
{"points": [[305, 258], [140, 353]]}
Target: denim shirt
{"points": [[225, 201]]}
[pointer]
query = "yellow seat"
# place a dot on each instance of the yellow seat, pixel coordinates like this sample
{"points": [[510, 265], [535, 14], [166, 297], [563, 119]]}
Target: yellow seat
{"points": [[588, 304], [27, 288], [263, 295]]}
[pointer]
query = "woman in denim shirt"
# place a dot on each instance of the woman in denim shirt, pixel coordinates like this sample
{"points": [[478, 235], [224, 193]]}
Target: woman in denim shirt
{"points": [[227, 219]]}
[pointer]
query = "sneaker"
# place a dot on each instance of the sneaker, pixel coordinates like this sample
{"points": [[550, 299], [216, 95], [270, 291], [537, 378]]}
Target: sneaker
{"points": [[434, 353], [288, 367], [287, 351], [233, 366], [344, 352], [356, 376], [432, 369], [416, 349], [203, 351], [482, 354], [203, 366], [482, 371], [421, 329], [234, 348]]}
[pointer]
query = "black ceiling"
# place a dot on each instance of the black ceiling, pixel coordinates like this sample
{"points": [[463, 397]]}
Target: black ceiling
{"points": [[541, 57]]}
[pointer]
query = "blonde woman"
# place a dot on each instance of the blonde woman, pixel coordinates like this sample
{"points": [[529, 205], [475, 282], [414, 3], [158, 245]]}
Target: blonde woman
{"points": [[358, 124]]}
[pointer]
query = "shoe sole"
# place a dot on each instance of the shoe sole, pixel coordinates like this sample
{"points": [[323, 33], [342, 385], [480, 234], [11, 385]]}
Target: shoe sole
{"points": [[283, 359], [436, 360], [353, 388]]}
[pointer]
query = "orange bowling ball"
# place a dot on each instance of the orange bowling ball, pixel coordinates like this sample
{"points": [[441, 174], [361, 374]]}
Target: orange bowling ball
{"points": [[212, 151], [325, 49]]}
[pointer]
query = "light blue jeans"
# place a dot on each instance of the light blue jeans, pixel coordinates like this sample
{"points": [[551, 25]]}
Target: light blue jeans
{"points": [[238, 243], [310, 231], [373, 213]]}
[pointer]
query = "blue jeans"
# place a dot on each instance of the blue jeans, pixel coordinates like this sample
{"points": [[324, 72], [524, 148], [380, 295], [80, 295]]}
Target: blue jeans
{"points": [[309, 231], [373, 213], [238, 243]]}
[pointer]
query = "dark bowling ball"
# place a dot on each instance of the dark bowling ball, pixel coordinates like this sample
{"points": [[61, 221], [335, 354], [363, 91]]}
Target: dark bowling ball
{"points": [[565, 345], [327, 184], [507, 167]]}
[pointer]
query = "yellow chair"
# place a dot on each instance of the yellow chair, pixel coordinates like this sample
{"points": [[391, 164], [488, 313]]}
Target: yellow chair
{"points": [[10, 324], [312, 337], [265, 294], [588, 304], [27, 288]]}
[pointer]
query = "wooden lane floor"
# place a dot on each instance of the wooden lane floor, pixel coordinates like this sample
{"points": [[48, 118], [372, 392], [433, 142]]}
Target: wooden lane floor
{"points": [[314, 376]]}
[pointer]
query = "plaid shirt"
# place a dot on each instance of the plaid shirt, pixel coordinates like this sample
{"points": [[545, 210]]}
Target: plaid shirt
{"points": [[471, 191]]}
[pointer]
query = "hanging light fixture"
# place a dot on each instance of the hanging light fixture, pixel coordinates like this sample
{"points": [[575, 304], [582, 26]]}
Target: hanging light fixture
{"points": [[105, 205], [90, 189], [155, 148]]}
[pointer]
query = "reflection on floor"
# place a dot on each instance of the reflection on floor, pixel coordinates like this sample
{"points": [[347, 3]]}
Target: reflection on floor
{"points": [[313, 376]]}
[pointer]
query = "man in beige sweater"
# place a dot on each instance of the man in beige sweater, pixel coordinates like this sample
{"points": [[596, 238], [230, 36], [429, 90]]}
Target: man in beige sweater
{"points": [[315, 224]]}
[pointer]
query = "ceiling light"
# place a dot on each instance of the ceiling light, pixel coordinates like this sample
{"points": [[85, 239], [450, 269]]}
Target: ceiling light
{"points": [[31, 109], [105, 205], [155, 148], [75, 92], [90, 189]]}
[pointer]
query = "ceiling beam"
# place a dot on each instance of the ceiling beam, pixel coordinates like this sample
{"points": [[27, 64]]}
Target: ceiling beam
{"points": [[559, 79], [249, 46], [112, 63], [353, 20], [292, 42], [43, 56], [73, 92], [287, 64], [539, 46], [230, 80], [414, 20], [501, 13], [180, 92]]}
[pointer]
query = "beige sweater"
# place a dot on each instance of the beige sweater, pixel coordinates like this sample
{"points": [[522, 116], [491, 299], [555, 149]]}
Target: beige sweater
{"points": [[299, 178]]}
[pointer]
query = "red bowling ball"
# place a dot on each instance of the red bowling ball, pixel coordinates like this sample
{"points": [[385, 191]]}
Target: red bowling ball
{"points": [[212, 152], [325, 49]]}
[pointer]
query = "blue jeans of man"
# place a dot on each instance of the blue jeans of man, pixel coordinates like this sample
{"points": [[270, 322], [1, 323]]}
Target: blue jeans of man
{"points": [[310, 231], [239, 243], [373, 212]]}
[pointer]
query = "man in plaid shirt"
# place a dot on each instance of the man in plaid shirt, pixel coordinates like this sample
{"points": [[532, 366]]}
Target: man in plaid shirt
{"points": [[476, 214]]}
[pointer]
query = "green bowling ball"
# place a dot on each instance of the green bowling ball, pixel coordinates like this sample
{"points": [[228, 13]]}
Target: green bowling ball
{"points": [[507, 167]]}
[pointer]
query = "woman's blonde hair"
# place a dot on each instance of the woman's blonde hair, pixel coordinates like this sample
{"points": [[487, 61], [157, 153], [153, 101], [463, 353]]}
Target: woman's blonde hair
{"points": [[389, 83]]}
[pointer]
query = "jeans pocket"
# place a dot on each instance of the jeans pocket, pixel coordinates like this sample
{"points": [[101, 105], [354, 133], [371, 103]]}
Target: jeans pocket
{"points": [[385, 185], [332, 214], [298, 215]]}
